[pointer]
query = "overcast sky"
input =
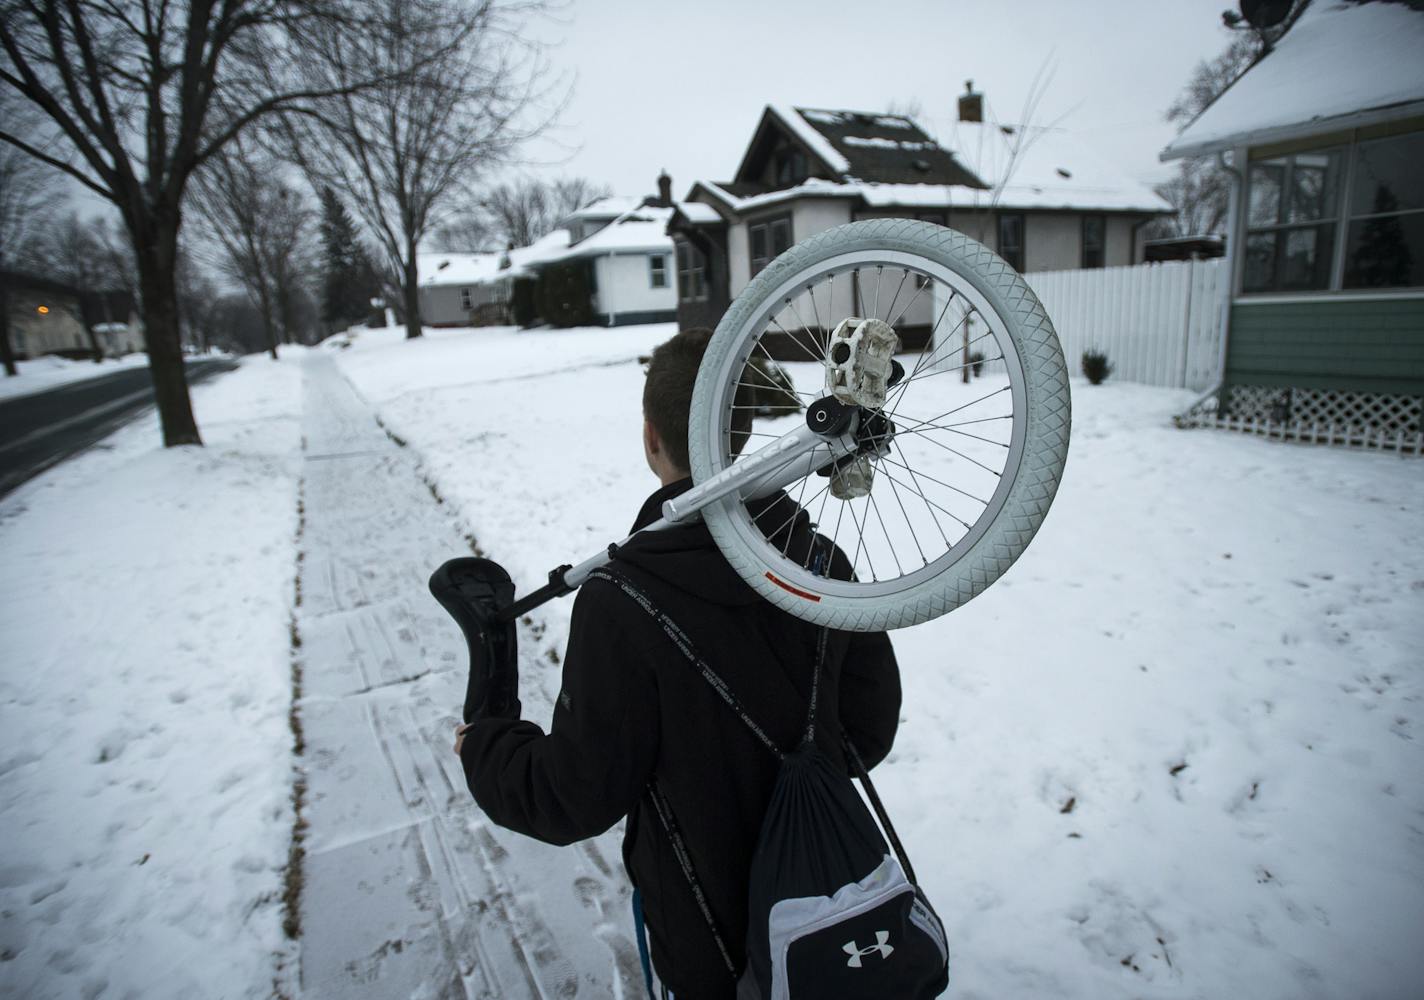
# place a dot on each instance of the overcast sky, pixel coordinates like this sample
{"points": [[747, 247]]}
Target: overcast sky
{"points": [[681, 86]]}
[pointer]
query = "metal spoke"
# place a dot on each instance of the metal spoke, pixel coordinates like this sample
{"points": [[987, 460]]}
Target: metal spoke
{"points": [[860, 542], [888, 543], [910, 304], [895, 490], [941, 482], [818, 358], [963, 406], [930, 503], [953, 430], [940, 444], [804, 325], [903, 278]]}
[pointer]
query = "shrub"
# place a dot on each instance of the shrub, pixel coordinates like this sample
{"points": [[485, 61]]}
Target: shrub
{"points": [[976, 362], [1096, 366]]}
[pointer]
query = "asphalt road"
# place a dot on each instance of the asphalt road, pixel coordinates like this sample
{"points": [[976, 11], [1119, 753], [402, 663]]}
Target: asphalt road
{"points": [[38, 430]]}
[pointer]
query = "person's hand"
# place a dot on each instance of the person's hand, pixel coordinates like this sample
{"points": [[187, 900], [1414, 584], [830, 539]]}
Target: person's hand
{"points": [[460, 731]]}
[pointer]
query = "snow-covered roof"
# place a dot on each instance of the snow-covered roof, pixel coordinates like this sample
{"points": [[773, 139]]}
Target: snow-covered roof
{"points": [[1051, 172], [1053, 169], [1339, 59], [814, 140], [480, 268], [604, 208], [641, 230], [455, 268], [698, 213]]}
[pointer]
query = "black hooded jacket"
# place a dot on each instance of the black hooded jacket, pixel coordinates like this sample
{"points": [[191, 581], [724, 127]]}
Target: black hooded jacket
{"points": [[632, 709]]}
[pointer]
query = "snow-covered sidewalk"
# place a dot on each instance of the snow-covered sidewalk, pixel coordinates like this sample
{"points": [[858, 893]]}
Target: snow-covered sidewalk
{"points": [[1174, 752], [408, 889], [145, 757]]}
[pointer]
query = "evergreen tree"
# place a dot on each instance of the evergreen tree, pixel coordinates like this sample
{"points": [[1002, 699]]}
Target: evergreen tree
{"points": [[348, 279]]}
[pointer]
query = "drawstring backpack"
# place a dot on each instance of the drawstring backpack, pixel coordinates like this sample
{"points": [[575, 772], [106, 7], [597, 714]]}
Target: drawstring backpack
{"points": [[834, 911]]}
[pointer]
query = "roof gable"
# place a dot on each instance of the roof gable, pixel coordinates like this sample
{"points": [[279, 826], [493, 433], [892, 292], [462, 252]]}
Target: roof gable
{"points": [[1341, 58], [848, 145]]}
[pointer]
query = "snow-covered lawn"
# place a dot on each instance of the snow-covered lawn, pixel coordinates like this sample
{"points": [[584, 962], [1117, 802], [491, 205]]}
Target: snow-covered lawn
{"points": [[1174, 752], [52, 371], [145, 761]]}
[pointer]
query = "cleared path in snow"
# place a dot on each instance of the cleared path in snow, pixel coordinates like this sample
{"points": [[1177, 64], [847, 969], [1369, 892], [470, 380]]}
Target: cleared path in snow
{"points": [[409, 889]]}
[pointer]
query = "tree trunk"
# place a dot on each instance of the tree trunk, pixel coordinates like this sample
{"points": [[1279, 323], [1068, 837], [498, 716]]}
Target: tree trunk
{"points": [[6, 354], [157, 255], [412, 294], [268, 327], [94, 345]]}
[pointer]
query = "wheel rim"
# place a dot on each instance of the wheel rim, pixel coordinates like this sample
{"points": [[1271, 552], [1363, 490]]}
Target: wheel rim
{"points": [[950, 469]]}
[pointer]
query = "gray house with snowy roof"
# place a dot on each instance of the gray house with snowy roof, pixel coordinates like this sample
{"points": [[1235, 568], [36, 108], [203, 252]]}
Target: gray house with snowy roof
{"points": [[1323, 137], [1033, 195]]}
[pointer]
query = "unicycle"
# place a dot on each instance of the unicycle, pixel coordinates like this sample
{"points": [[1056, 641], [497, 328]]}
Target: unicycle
{"points": [[906, 390]]}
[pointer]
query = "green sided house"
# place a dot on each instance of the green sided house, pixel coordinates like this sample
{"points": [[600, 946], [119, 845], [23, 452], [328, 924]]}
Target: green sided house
{"points": [[1324, 139]]}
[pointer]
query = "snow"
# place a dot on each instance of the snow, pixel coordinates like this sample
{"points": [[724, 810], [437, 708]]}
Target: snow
{"points": [[1337, 59], [876, 142], [604, 208], [145, 773], [698, 213], [437, 269], [1173, 752], [1034, 184], [52, 371], [815, 141], [644, 230], [1054, 169], [482, 268]]}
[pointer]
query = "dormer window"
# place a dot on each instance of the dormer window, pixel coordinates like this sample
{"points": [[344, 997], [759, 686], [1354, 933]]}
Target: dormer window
{"points": [[790, 167]]}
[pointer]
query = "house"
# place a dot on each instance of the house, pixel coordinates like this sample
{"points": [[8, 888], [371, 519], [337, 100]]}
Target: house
{"points": [[607, 264], [626, 261], [1324, 312], [1034, 195], [114, 318], [478, 289], [44, 317]]}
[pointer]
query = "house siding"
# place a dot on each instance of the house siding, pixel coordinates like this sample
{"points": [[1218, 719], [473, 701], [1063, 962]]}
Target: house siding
{"points": [[1354, 345], [33, 334], [624, 287], [1052, 241]]}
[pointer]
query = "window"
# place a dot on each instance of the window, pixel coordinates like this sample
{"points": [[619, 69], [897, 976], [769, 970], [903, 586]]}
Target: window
{"points": [[691, 273], [657, 271], [769, 238], [465, 302], [1095, 229], [1011, 240], [790, 167], [1384, 245], [1291, 213]]}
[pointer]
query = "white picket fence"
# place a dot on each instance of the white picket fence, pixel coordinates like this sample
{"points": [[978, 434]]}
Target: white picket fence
{"points": [[1159, 324]]}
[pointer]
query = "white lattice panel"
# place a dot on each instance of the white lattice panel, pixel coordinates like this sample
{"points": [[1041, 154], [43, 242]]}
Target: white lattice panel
{"points": [[1362, 409]]}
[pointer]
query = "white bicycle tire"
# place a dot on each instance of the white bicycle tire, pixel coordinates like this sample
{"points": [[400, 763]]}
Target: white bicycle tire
{"points": [[1027, 484]]}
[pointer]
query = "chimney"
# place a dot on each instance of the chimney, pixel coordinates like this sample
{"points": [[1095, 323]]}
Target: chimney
{"points": [[971, 105], [664, 190]]}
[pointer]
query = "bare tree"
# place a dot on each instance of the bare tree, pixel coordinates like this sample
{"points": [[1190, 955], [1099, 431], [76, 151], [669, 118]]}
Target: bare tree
{"points": [[25, 186], [259, 227], [1200, 190], [138, 94], [73, 254], [399, 151], [516, 212]]}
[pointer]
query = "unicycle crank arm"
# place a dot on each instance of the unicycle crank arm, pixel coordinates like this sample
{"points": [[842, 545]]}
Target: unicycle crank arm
{"points": [[789, 458]]}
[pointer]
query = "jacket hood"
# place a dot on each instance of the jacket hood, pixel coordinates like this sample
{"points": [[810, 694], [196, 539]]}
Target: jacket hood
{"points": [[686, 557]]}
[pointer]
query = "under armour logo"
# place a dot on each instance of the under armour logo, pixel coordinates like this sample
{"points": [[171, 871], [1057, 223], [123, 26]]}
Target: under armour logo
{"points": [[882, 945]]}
